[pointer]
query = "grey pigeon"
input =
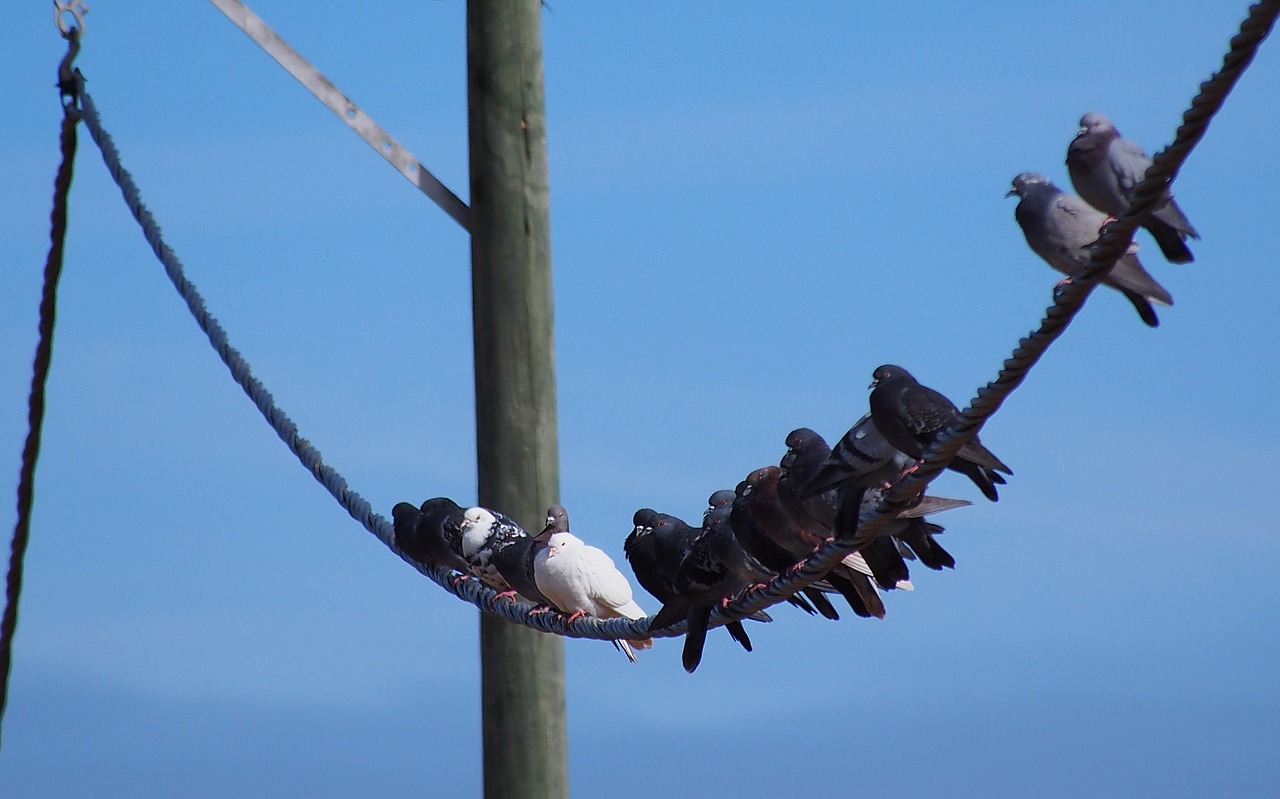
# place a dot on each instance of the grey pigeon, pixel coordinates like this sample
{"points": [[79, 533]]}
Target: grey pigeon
{"points": [[914, 535], [861, 458], [911, 417], [1060, 228], [1105, 168], [431, 534]]}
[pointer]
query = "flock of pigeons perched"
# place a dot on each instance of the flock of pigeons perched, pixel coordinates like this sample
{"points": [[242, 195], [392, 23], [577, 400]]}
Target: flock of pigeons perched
{"points": [[772, 521], [780, 515], [1105, 168]]}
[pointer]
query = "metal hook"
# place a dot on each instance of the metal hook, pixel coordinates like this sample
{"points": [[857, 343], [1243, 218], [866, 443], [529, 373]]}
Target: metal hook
{"points": [[76, 8], [67, 83]]}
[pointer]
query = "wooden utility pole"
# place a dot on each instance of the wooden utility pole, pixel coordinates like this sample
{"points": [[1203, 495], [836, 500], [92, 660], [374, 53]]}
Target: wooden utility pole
{"points": [[522, 671]]}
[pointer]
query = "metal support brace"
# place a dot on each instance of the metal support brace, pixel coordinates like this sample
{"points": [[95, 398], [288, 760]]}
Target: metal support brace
{"points": [[350, 113]]}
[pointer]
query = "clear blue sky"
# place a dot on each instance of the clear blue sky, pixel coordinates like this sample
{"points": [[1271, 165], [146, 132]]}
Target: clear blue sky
{"points": [[753, 205]]}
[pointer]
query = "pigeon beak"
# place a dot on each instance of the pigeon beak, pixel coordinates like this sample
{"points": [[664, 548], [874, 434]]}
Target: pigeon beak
{"points": [[873, 384], [551, 551], [1011, 193]]}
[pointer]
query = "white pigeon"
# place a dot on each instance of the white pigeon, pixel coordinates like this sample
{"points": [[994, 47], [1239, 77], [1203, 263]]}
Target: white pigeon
{"points": [[581, 580]]}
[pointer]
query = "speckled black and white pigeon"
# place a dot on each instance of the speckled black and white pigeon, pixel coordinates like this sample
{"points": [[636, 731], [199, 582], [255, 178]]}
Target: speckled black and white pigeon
{"points": [[911, 418], [431, 534], [513, 556], [1105, 169], [1061, 227], [483, 532]]}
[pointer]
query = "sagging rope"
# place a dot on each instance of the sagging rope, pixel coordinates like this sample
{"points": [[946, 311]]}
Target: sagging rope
{"points": [[1109, 248], [68, 90]]}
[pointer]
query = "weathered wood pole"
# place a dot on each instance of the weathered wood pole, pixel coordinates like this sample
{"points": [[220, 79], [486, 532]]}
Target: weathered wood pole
{"points": [[522, 671]]}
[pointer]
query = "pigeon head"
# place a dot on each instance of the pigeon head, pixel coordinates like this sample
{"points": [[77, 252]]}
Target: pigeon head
{"points": [[561, 543], [557, 520], [643, 519], [1093, 122], [763, 477], [800, 437], [797, 439], [476, 524], [439, 505], [1024, 181], [720, 498], [887, 372], [662, 521], [405, 514]]}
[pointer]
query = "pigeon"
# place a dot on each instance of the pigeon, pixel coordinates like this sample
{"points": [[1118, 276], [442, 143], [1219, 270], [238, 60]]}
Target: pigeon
{"points": [[705, 579], [513, 556], [715, 524], [911, 417], [485, 531], [1105, 168], [655, 547], [798, 542], [1061, 228], [806, 451], [863, 461], [768, 553], [431, 534], [742, 563], [917, 538], [582, 580], [861, 458]]}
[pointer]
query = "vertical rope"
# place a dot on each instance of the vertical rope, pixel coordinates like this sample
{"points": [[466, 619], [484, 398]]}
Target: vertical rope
{"points": [[39, 376]]}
